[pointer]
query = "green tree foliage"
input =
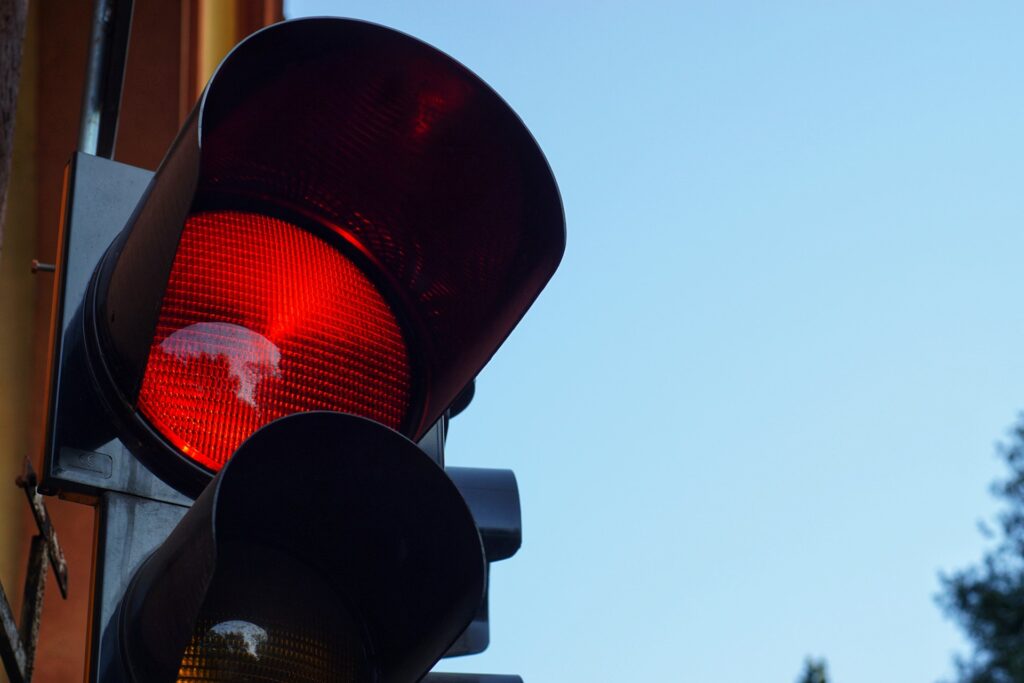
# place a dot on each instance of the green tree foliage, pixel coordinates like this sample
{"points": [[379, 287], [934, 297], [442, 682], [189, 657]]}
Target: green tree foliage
{"points": [[988, 599], [815, 671]]}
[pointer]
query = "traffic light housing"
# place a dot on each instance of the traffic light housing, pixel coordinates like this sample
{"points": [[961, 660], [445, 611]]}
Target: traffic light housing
{"points": [[380, 221], [349, 221], [239, 587]]}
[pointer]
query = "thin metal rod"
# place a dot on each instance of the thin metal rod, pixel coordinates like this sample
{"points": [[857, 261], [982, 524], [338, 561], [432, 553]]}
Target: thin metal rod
{"points": [[28, 481], [18, 645], [12, 653], [32, 602], [104, 76]]}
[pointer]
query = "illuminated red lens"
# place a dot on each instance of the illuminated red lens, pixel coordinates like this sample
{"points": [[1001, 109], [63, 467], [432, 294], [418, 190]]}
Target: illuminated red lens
{"points": [[262, 319]]}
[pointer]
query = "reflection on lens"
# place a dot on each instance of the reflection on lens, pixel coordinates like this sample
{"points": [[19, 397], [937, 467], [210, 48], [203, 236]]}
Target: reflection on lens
{"points": [[236, 650], [269, 618]]}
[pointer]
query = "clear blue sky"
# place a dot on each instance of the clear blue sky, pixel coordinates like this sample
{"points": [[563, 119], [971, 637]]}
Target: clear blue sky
{"points": [[753, 414]]}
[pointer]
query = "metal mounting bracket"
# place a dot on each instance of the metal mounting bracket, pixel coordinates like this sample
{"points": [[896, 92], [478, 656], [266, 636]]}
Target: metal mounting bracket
{"points": [[18, 644]]}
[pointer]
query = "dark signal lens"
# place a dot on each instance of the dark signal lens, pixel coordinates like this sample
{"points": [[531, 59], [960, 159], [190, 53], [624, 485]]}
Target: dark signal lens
{"points": [[262, 319], [269, 617]]}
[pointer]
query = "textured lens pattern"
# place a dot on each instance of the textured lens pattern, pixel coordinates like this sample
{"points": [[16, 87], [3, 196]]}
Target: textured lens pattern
{"points": [[262, 319], [234, 650]]}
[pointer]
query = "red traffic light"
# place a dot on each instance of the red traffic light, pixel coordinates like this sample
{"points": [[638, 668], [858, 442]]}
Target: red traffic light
{"points": [[262, 319], [350, 220]]}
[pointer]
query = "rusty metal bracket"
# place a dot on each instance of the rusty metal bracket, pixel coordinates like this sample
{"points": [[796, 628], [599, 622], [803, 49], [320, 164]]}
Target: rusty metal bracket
{"points": [[28, 481], [18, 645]]}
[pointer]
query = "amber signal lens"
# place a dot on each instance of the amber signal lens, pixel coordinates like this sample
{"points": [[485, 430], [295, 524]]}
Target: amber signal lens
{"points": [[267, 616]]}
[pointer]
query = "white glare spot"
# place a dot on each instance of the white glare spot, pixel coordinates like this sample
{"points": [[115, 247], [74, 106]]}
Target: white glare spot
{"points": [[251, 635], [251, 357]]}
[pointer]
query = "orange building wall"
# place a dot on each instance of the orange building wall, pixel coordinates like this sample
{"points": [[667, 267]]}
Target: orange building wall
{"points": [[166, 68]]}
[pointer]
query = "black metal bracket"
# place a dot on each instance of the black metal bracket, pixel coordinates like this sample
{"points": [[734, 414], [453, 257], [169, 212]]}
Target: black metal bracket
{"points": [[18, 644]]}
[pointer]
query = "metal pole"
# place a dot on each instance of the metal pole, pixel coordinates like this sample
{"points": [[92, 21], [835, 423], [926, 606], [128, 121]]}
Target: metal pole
{"points": [[104, 76]]}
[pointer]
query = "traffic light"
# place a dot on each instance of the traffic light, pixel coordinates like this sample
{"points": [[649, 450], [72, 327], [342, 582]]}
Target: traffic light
{"points": [[374, 572], [347, 227]]}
